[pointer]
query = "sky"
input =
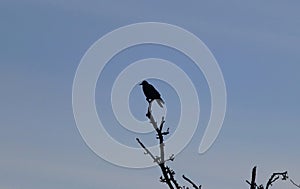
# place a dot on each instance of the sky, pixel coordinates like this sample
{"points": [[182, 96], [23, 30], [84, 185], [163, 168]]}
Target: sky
{"points": [[255, 43]]}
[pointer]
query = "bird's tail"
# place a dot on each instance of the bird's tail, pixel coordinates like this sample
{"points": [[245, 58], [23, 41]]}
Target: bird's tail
{"points": [[160, 102]]}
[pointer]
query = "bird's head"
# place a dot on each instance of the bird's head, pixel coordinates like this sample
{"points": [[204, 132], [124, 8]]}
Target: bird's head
{"points": [[144, 82]]}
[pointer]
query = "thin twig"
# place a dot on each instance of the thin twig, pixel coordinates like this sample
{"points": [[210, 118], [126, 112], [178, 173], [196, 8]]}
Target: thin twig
{"points": [[191, 182], [162, 124], [297, 185], [276, 176], [147, 151]]}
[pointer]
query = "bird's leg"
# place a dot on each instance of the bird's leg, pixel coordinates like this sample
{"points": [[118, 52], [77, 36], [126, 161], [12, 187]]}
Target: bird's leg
{"points": [[149, 105]]}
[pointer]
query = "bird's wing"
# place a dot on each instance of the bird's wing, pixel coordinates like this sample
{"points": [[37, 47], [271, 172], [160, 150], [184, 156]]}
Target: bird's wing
{"points": [[154, 93]]}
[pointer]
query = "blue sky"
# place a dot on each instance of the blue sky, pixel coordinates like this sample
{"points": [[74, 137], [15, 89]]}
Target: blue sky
{"points": [[257, 47]]}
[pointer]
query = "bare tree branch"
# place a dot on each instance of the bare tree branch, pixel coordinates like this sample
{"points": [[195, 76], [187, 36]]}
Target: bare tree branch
{"points": [[160, 160], [253, 184], [297, 185], [172, 178], [191, 182], [276, 176], [168, 174], [147, 151]]}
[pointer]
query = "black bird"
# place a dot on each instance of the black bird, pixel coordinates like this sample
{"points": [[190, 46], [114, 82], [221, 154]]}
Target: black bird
{"points": [[151, 93]]}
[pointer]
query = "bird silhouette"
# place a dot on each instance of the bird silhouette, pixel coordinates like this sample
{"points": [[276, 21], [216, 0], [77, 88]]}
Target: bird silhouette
{"points": [[151, 93]]}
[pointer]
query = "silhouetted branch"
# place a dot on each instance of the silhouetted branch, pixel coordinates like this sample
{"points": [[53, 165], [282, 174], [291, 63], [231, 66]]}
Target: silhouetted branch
{"points": [[147, 151], [162, 124], [253, 184], [272, 179], [168, 175], [166, 132], [172, 178], [297, 185], [160, 160], [171, 158], [276, 176], [191, 182]]}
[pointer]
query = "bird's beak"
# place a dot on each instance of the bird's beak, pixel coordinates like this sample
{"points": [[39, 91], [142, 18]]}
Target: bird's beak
{"points": [[140, 84]]}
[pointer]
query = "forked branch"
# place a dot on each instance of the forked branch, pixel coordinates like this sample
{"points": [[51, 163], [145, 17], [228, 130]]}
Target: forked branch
{"points": [[274, 177], [168, 175]]}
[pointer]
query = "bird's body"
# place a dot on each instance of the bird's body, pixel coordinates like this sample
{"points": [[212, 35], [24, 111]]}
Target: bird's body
{"points": [[151, 93]]}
